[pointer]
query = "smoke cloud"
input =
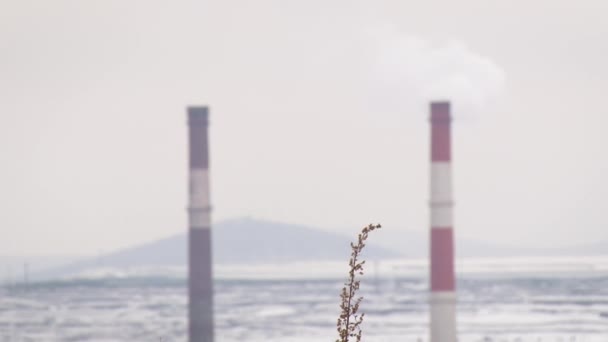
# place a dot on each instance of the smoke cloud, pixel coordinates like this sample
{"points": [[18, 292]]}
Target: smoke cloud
{"points": [[408, 70]]}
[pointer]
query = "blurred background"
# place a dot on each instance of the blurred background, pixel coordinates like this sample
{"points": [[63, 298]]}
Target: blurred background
{"points": [[318, 126]]}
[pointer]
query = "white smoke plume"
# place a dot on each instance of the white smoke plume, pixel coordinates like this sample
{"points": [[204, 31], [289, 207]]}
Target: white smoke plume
{"points": [[410, 71]]}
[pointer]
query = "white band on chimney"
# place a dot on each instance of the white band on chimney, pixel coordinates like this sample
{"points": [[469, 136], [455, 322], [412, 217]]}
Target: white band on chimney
{"points": [[200, 205], [443, 297], [443, 313], [441, 182], [441, 216], [199, 188], [199, 218]]}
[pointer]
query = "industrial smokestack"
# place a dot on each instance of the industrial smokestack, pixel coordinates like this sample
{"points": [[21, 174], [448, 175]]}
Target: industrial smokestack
{"points": [[200, 280], [443, 294]]}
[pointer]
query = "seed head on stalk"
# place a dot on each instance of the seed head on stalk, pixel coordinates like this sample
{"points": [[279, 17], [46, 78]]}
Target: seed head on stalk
{"points": [[349, 321]]}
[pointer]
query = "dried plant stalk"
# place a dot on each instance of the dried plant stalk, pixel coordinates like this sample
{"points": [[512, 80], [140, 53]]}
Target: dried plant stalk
{"points": [[349, 322]]}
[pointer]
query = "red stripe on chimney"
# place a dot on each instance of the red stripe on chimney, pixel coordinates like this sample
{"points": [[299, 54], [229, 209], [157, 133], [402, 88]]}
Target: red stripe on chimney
{"points": [[442, 259]]}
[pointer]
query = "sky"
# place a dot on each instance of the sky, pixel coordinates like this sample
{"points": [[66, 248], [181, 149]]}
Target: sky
{"points": [[318, 116]]}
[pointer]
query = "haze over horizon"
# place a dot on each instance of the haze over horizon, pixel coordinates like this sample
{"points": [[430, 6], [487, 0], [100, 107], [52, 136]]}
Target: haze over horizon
{"points": [[318, 117]]}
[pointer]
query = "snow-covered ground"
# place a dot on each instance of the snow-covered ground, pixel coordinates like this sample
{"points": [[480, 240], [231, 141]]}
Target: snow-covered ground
{"points": [[499, 300], [524, 267]]}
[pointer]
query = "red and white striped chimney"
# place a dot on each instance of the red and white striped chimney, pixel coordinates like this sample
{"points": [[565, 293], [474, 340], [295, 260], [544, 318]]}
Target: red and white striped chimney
{"points": [[443, 294], [200, 280]]}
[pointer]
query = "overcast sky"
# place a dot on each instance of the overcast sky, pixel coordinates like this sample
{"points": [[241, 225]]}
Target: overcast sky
{"points": [[318, 116]]}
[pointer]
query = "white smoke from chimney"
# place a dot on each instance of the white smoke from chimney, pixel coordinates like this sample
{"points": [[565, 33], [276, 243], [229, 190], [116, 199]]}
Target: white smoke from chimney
{"points": [[408, 71]]}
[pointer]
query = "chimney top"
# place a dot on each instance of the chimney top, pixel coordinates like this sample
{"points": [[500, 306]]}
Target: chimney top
{"points": [[198, 115]]}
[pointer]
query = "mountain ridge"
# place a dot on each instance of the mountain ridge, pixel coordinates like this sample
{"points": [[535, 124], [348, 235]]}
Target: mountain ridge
{"points": [[251, 241]]}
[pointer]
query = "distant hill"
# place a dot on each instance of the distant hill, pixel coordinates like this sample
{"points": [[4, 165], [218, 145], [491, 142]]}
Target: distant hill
{"points": [[250, 241], [239, 241]]}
